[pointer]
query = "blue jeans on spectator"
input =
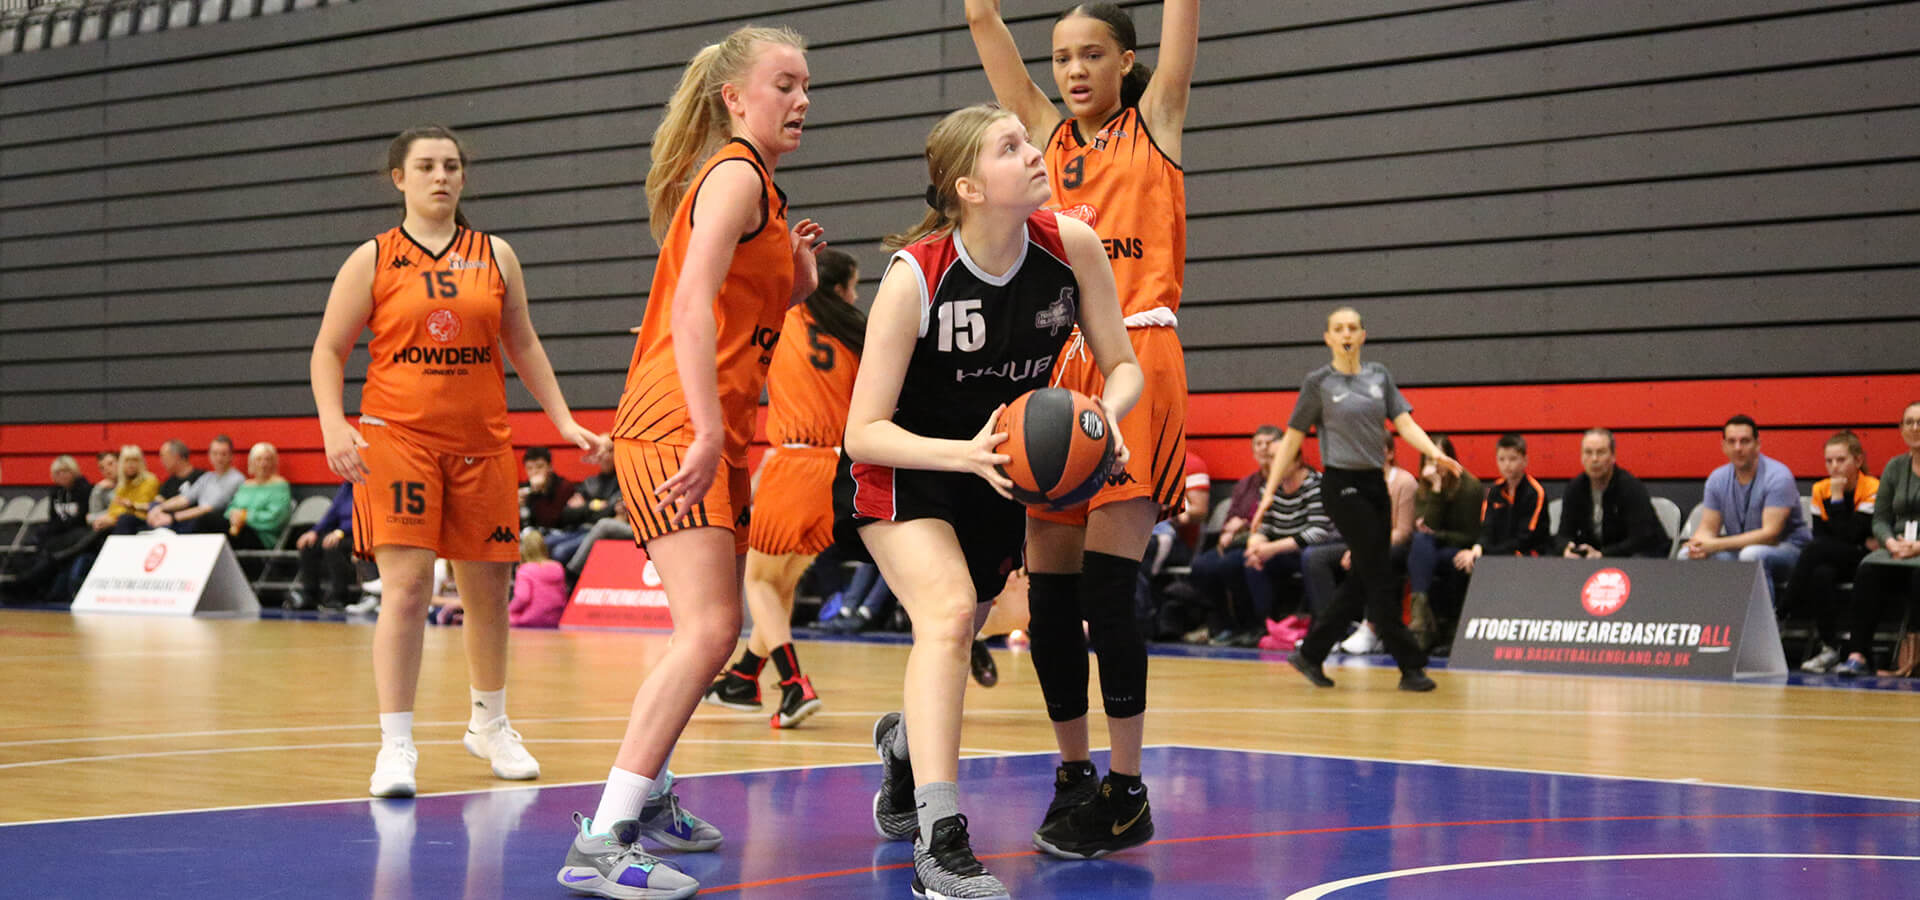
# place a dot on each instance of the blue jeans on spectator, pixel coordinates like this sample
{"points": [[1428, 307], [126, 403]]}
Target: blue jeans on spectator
{"points": [[1777, 560], [1426, 556], [562, 544], [868, 591], [1216, 577], [1264, 586]]}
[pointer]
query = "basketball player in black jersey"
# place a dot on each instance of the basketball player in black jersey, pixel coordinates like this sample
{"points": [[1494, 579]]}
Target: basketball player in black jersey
{"points": [[971, 314]]}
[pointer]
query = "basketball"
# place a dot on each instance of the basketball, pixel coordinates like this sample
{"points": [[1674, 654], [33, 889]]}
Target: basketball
{"points": [[1060, 447]]}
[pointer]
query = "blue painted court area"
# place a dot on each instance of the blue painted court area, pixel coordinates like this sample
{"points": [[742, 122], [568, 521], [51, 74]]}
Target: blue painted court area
{"points": [[1229, 824]]}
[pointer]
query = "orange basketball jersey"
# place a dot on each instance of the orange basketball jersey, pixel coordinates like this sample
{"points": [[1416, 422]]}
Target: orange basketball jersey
{"points": [[436, 368], [748, 311], [810, 384], [1134, 197]]}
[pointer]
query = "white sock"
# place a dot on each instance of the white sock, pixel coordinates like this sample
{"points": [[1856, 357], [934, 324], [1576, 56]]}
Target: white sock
{"points": [[487, 706], [663, 782], [396, 725], [624, 794]]}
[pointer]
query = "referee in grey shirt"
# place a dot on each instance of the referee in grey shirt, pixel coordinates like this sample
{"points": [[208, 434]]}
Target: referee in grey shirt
{"points": [[1348, 401]]}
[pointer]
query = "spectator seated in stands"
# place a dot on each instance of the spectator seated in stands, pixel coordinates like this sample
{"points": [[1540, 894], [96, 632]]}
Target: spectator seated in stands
{"points": [[1324, 562], [866, 604], [544, 498], [133, 494], [595, 500], [1217, 572], [1513, 517], [198, 507], [133, 491], [539, 586], [262, 506], [102, 495], [1605, 510], [327, 548], [63, 535], [1296, 520], [1172, 543], [1842, 535], [177, 462], [1446, 520], [1752, 509], [1891, 573]]}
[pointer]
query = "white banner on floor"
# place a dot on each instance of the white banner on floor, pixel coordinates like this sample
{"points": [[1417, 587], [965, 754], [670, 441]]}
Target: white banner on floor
{"points": [[164, 574]]}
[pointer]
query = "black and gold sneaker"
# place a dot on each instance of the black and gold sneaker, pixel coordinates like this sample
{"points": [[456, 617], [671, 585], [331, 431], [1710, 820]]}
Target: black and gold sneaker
{"points": [[1074, 783], [1115, 819]]}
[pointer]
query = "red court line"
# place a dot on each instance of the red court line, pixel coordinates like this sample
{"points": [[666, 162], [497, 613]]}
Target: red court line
{"points": [[1206, 838]]}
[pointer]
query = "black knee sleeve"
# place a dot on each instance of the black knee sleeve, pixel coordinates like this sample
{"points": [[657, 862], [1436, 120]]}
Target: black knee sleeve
{"points": [[1059, 645], [1106, 601]]}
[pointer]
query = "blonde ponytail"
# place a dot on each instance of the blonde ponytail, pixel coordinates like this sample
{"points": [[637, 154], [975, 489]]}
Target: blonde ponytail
{"points": [[952, 148], [695, 122]]}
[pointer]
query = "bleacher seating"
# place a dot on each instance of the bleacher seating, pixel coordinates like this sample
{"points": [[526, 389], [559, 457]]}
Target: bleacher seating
{"points": [[280, 565], [49, 26]]}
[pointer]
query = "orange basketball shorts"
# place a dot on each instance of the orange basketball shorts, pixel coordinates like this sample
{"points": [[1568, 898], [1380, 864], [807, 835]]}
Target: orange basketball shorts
{"points": [[643, 466], [1155, 430], [793, 505], [460, 507]]}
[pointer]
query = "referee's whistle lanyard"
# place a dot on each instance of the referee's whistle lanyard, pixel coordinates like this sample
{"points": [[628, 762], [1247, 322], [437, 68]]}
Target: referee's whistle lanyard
{"points": [[1157, 317]]}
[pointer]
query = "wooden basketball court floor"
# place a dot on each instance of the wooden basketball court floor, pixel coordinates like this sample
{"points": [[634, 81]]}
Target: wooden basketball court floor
{"points": [[209, 758]]}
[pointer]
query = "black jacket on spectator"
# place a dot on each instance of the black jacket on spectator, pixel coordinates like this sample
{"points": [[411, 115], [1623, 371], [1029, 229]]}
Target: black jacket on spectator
{"points": [[605, 488], [171, 487], [1513, 521], [1628, 524], [66, 523]]}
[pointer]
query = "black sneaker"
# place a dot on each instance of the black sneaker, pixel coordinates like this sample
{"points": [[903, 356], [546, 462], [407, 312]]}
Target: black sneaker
{"points": [[1074, 783], [734, 690], [797, 702], [984, 670], [1106, 824], [945, 867], [1311, 669], [1416, 680]]}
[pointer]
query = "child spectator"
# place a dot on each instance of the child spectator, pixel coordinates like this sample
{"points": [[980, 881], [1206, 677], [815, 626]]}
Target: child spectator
{"points": [[1513, 518], [539, 585]]}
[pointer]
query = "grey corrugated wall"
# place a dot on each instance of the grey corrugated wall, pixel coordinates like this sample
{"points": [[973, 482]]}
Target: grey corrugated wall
{"points": [[1521, 191]]}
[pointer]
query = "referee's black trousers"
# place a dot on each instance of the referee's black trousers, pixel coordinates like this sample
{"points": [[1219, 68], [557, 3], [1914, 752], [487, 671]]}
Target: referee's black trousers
{"points": [[1357, 500]]}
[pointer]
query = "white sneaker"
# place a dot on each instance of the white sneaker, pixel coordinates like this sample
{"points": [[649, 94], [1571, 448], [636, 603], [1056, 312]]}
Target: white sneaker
{"points": [[371, 588], [1362, 642], [1822, 661], [393, 768], [367, 606], [497, 743]]}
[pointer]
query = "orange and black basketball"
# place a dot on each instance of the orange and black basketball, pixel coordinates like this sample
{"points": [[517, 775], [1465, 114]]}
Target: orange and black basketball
{"points": [[1060, 444]]}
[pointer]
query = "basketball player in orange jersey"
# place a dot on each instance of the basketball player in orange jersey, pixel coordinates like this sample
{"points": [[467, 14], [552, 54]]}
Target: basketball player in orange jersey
{"points": [[728, 269], [808, 387], [972, 312], [432, 463], [1114, 163]]}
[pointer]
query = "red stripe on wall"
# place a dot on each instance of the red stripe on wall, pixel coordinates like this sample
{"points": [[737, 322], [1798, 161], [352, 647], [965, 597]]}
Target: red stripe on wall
{"points": [[1665, 429]]}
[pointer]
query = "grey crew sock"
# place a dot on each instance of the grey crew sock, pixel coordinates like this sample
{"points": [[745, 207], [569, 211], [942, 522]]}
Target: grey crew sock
{"points": [[936, 801]]}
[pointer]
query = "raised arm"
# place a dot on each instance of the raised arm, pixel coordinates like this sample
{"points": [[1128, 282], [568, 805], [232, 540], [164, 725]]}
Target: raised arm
{"points": [[1013, 88], [893, 326], [529, 357], [1165, 102]]}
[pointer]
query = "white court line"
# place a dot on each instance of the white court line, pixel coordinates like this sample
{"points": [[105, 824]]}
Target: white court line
{"points": [[1595, 775], [1322, 890], [1185, 711], [677, 777], [266, 748]]}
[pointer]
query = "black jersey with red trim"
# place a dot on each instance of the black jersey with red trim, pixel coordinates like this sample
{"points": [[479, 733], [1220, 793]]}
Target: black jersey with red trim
{"points": [[984, 339]]}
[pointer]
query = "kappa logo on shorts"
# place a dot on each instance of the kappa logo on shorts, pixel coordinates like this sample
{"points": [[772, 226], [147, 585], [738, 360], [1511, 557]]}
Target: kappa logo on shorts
{"points": [[744, 518], [503, 535]]}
